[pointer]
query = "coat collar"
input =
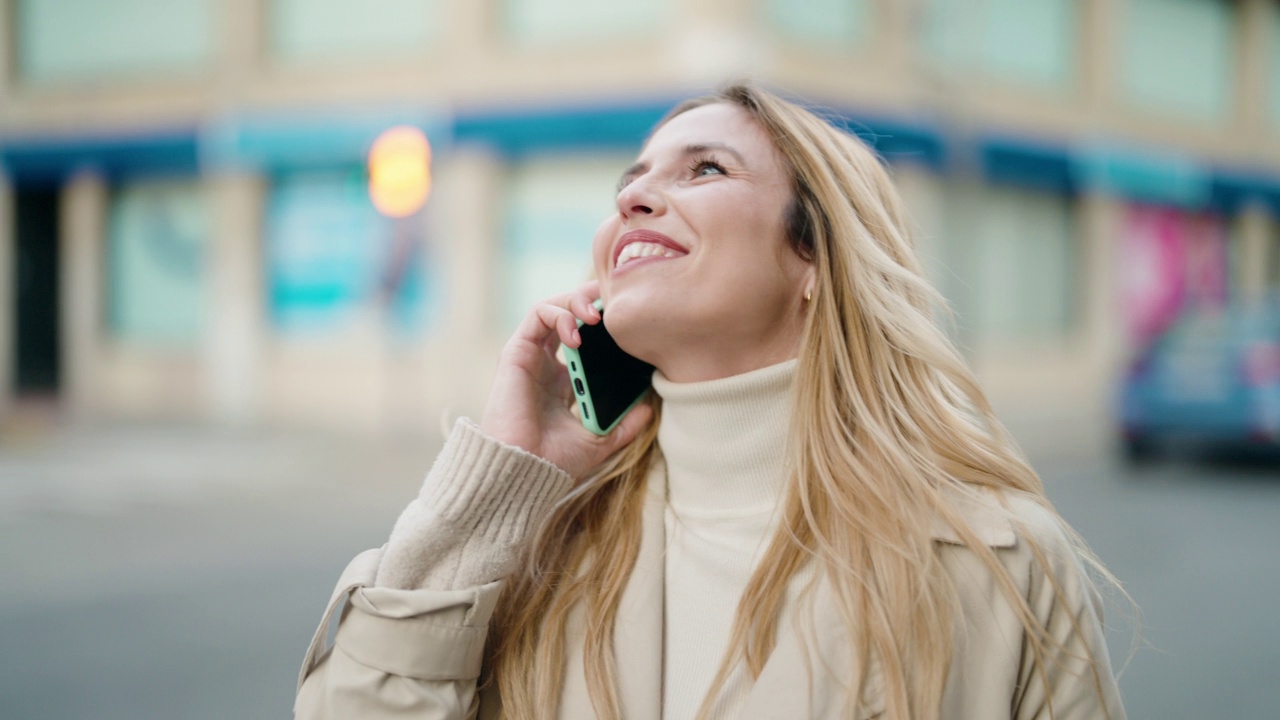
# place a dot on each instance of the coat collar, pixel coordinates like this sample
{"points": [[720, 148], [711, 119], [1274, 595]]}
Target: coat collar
{"points": [[982, 511]]}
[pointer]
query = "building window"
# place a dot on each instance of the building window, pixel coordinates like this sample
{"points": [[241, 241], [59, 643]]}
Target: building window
{"points": [[831, 22], [310, 30], [72, 40], [550, 21], [334, 263], [1178, 55], [1273, 17], [553, 210], [157, 240], [1028, 41], [1017, 272]]}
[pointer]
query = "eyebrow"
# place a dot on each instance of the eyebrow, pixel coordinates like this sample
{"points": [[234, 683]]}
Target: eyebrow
{"points": [[692, 149]]}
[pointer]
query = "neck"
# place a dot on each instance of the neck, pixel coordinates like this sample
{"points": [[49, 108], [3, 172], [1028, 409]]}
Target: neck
{"points": [[723, 364], [694, 357]]}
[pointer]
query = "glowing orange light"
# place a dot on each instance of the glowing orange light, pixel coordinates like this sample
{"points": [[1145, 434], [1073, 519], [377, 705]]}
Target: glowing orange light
{"points": [[400, 171]]}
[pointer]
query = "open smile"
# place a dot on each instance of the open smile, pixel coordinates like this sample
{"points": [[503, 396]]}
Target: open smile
{"points": [[639, 246]]}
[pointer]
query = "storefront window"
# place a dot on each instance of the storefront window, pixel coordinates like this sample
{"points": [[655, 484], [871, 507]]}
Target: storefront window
{"points": [[1171, 260], [1016, 269], [333, 262], [157, 248], [1273, 263]]}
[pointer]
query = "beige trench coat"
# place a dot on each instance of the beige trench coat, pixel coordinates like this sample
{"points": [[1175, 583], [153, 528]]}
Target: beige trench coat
{"points": [[401, 654]]}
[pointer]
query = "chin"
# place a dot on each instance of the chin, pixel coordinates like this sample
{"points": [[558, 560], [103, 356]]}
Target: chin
{"points": [[637, 325]]}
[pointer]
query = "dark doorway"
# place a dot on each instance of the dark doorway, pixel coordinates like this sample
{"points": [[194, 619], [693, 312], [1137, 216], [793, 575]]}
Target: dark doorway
{"points": [[36, 269]]}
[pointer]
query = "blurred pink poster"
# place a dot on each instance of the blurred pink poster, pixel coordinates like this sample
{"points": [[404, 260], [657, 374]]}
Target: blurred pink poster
{"points": [[1170, 260]]}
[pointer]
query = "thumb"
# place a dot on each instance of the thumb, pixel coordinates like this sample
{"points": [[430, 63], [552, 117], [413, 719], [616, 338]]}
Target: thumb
{"points": [[633, 423]]}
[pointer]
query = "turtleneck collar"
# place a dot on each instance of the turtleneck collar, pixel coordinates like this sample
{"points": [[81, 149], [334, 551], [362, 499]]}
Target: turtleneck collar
{"points": [[724, 440]]}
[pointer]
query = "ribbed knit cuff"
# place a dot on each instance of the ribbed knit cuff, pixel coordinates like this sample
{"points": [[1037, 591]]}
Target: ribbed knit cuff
{"points": [[478, 505]]}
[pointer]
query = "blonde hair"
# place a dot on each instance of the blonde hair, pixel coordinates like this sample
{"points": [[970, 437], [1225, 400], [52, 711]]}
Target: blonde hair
{"points": [[887, 425]]}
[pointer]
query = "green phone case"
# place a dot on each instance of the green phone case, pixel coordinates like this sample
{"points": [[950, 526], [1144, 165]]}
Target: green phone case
{"points": [[587, 409]]}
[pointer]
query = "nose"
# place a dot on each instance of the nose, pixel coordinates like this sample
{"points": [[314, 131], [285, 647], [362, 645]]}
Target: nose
{"points": [[640, 197]]}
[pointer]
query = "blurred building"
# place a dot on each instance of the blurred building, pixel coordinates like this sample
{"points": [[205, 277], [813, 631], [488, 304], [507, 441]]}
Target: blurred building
{"points": [[185, 228]]}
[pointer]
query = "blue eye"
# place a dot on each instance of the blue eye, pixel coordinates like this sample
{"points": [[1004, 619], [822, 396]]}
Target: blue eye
{"points": [[706, 166]]}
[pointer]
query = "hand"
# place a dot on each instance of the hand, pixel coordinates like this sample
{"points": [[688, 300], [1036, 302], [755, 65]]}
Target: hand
{"points": [[529, 402]]}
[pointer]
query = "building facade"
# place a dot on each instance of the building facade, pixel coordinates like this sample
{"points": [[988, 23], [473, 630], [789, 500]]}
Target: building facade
{"points": [[185, 228]]}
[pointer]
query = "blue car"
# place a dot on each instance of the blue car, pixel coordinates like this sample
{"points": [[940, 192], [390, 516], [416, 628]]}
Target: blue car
{"points": [[1213, 379]]}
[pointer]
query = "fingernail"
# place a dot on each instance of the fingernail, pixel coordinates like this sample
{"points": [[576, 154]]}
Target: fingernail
{"points": [[577, 337]]}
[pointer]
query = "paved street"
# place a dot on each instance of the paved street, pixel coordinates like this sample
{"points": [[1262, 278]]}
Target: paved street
{"points": [[178, 572]]}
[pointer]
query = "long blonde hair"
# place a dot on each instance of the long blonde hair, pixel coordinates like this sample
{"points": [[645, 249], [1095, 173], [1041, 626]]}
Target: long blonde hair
{"points": [[887, 425]]}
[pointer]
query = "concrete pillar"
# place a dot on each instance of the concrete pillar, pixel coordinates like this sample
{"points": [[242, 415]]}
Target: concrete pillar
{"points": [[466, 236], [241, 42], [474, 29], [8, 295], [8, 238], [1101, 218], [922, 193], [962, 203], [1100, 55], [1253, 259], [718, 39], [82, 292], [898, 38], [234, 335], [1253, 58], [8, 58]]}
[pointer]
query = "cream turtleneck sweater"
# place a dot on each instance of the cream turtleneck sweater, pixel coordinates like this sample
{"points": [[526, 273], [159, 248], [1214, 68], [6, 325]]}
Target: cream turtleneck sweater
{"points": [[723, 442]]}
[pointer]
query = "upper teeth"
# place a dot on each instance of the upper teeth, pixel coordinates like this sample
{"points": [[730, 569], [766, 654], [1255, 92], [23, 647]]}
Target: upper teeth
{"points": [[643, 249]]}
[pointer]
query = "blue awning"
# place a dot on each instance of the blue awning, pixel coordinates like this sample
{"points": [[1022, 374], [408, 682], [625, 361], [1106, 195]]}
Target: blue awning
{"points": [[51, 159]]}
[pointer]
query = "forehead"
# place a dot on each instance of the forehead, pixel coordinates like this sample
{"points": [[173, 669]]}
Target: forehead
{"points": [[715, 123]]}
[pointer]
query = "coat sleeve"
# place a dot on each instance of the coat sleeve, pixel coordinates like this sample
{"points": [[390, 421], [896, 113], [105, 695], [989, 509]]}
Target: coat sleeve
{"points": [[413, 616], [1077, 679]]}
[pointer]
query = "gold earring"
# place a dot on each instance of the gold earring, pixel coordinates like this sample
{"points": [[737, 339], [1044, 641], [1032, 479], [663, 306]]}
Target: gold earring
{"points": [[808, 295]]}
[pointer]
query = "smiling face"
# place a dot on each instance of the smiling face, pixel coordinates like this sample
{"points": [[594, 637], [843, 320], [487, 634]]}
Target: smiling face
{"points": [[695, 269]]}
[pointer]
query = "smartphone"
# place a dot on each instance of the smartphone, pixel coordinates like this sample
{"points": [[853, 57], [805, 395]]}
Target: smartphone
{"points": [[607, 382]]}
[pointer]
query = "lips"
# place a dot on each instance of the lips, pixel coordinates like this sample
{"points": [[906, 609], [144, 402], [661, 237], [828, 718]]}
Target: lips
{"points": [[645, 236]]}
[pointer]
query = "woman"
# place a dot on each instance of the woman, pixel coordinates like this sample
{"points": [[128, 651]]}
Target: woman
{"points": [[815, 515]]}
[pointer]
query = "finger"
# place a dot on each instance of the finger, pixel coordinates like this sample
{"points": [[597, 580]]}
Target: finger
{"points": [[632, 424], [591, 289], [545, 322], [560, 321], [581, 305], [582, 301]]}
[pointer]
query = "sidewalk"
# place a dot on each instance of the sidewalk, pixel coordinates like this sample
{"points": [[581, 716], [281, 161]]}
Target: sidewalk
{"points": [[103, 468]]}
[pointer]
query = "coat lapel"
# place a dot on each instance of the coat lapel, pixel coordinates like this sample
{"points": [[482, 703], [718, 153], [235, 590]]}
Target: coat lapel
{"points": [[809, 677], [638, 638], [638, 632]]}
